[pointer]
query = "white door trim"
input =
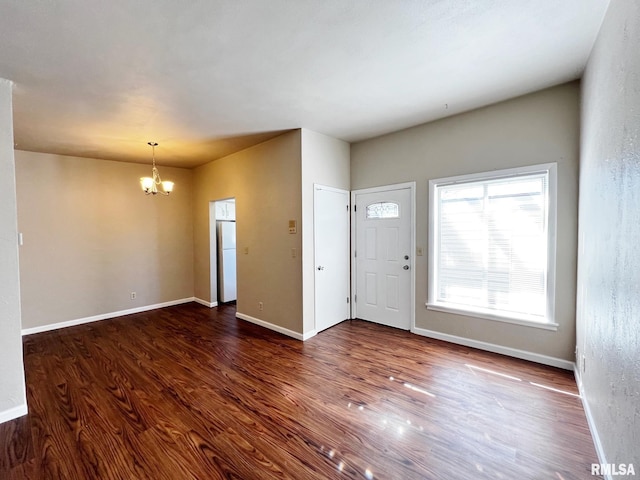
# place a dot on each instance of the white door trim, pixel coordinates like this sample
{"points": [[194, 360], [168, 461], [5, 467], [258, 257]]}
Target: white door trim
{"points": [[319, 186], [385, 188]]}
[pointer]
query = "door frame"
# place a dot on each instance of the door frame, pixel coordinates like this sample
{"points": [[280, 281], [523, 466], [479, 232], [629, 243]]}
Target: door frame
{"points": [[354, 266], [213, 251]]}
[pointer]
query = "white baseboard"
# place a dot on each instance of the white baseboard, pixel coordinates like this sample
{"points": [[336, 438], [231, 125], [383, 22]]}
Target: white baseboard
{"points": [[14, 412], [490, 347], [275, 328], [308, 335], [592, 425], [205, 303], [104, 316]]}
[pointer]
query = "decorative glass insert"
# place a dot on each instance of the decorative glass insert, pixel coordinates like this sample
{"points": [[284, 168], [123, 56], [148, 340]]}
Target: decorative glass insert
{"points": [[383, 210]]}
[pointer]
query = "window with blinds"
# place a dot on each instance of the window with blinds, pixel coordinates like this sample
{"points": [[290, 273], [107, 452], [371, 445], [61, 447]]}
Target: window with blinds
{"points": [[492, 244]]}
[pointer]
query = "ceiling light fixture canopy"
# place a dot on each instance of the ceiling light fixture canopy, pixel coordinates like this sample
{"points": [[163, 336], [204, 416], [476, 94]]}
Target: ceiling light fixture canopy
{"points": [[150, 184]]}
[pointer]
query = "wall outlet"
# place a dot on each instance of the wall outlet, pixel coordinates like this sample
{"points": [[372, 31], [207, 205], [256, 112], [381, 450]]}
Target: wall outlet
{"points": [[260, 306], [133, 295]]}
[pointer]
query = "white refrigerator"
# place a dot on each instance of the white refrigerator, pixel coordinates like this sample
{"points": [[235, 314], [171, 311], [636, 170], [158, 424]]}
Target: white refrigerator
{"points": [[226, 260]]}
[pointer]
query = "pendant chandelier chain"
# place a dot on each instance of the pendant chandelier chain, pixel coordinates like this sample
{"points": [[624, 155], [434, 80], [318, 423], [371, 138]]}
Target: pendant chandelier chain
{"points": [[150, 184]]}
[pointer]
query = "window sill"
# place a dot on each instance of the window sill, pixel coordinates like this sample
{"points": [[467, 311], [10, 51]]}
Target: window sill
{"points": [[490, 316]]}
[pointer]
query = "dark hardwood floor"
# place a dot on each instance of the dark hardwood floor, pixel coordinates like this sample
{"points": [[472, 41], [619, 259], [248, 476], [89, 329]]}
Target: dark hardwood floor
{"points": [[189, 392]]}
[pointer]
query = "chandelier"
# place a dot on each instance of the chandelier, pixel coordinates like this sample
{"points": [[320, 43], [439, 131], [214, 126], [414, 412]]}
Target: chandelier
{"points": [[150, 184]]}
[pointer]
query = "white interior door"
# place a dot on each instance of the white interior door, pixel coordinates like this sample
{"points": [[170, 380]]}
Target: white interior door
{"points": [[384, 256], [331, 242]]}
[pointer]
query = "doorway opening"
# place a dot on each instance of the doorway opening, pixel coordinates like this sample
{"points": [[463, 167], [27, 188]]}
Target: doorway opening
{"points": [[222, 250]]}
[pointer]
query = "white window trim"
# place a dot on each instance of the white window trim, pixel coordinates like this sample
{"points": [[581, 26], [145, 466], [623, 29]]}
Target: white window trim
{"points": [[487, 314]]}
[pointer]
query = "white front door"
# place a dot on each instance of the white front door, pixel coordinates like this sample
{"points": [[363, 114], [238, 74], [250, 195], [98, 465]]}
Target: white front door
{"points": [[384, 255], [331, 238]]}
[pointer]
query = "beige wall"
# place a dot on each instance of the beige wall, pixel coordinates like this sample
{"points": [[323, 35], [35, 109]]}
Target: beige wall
{"points": [[537, 128], [265, 180], [91, 237], [325, 161], [13, 400], [609, 262]]}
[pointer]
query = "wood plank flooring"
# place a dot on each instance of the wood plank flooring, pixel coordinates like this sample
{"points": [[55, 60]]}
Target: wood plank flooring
{"points": [[188, 392]]}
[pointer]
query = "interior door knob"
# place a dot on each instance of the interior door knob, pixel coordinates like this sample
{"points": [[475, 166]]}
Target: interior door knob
{"points": [[320, 268], [406, 267]]}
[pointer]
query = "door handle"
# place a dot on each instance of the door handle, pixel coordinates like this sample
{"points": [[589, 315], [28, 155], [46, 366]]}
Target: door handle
{"points": [[320, 268], [406, 267], [406, 257]]}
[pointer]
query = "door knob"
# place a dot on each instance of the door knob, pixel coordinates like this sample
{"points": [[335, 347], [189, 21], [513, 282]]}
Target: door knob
{"points": [[406, 257], [320, 268], [406, 267]]}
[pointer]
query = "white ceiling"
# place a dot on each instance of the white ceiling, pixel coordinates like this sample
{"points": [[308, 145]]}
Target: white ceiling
{"points": [[205, 78]]}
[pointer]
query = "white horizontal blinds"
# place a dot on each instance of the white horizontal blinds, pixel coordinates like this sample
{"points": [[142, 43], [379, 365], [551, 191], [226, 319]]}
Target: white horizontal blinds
{"points": [[492, 244]]}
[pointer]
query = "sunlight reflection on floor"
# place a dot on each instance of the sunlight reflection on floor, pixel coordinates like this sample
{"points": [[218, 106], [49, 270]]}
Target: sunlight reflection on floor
{"points": [[555, 390], [492, 372], [475, 368]]}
